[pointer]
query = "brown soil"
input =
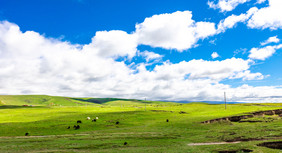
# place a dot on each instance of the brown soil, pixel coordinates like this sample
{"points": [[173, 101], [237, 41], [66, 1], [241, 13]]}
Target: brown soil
{"points": [[240, 139], [243, 139], [235, 140], [235, 151], [250, 121], [273, 145], [182, 112], [250, 115]]}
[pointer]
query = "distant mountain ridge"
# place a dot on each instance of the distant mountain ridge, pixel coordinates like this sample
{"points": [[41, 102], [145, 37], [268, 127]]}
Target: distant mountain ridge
{"points": [[209, 102]]}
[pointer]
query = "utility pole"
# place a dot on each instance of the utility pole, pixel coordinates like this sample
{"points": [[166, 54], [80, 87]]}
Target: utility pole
{"points": [[145, 107], [145, 103], [225, 99]]}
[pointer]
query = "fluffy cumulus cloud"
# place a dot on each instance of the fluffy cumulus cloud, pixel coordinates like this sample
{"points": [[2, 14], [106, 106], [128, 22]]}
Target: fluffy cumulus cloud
{"points": [[30, 63], [173, 31], [247, 75], [246, 93], [268, 17], [149, 56], [232, 20], [214, 71], [263, 53], [196, 79], [214, 55], [225, 5], [33, 64], [273, 39], [113, 44]]}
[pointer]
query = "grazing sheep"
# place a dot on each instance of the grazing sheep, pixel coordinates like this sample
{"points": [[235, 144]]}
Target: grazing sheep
{"points": [[97, 118], [117, 122], [167, 120], [125, 143], [88, 118], [26, 134], [94, 120], [68, 127], [78, 121], [74, 126], [77, 127]]}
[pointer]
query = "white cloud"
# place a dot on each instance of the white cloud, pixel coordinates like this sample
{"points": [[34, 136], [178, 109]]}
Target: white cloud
{"points": [[204, 29], [226, 5], [246, 93], [193, 80], [33, 64], [232, 20], [241, 51], [247, 75], [263, 53], [40, 65], [173, 31], [268, 17], [150, 55], [201, 69], [214, 55], [113, 44], [273, 39], [260, 1]]}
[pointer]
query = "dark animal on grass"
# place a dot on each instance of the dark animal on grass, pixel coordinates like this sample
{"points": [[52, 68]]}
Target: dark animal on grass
{"points": [[78, 121], [125, 143], [117, 122], [26, 134], [74, 126], [68, 127], [77, 127], [94, 120], [167, 120]]}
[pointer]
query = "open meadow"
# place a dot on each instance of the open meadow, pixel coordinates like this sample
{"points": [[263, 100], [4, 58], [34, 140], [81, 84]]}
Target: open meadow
{"points": [[46, 124]]}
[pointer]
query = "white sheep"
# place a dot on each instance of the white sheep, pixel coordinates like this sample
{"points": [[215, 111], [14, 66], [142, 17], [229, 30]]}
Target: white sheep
{"points": [[97, 118], [88, 118]]}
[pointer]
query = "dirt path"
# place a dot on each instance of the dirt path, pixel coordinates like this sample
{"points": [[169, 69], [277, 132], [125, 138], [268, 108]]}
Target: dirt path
{"points": [[212, 143]]}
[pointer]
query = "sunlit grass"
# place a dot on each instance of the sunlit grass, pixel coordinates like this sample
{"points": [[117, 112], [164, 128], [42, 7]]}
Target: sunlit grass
{"points": [[145, 129]]}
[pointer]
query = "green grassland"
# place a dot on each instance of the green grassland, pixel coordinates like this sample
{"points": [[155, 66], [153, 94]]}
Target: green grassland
{"points": [[142, 124]]}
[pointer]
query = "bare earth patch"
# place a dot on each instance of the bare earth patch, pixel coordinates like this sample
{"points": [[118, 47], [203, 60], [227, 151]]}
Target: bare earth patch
{"points": [[231, 141], [273, 145], [250, 115]]}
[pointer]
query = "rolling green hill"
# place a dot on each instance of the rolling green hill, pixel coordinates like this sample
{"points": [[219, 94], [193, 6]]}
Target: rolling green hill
{"points": [[37, 100], [45, 100]]}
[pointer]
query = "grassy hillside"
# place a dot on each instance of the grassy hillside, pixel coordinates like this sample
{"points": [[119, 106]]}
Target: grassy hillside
{"points": [[145, 130], [44, 100], [37, 100]]}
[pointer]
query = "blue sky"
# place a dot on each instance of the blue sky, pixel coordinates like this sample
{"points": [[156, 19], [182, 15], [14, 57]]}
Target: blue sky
{"points": [[159, 50]]}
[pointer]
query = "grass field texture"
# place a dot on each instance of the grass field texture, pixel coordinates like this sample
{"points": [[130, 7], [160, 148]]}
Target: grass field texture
{"points": [[142, 124]]}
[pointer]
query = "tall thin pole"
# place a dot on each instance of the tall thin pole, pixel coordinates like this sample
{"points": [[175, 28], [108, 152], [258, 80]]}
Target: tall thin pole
{"points": [[225, 99]]}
